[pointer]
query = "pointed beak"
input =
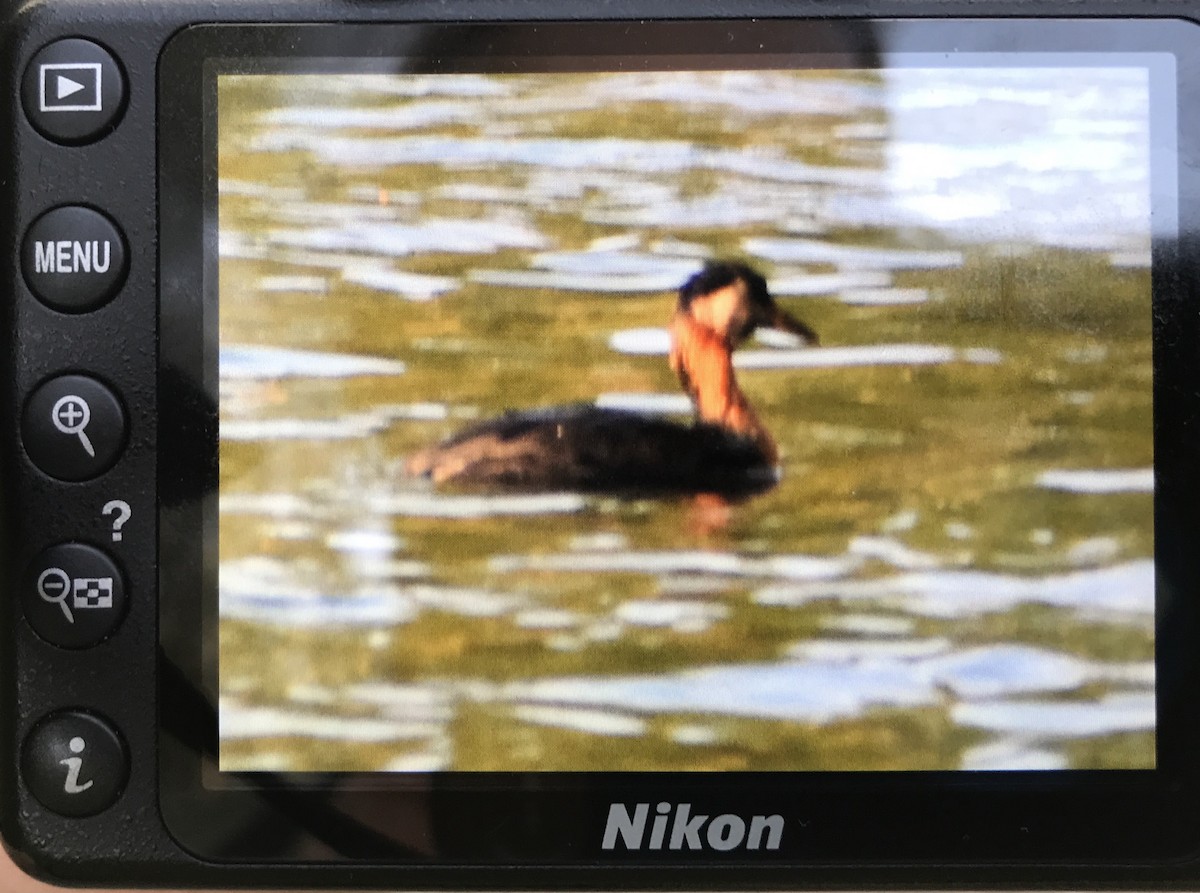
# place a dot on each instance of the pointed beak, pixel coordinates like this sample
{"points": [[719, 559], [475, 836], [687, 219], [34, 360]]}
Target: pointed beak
{"points": [[785, 322]]}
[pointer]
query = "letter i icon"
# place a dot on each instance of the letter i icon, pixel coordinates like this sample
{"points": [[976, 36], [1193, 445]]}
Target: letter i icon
{"points": [[74, 766]]}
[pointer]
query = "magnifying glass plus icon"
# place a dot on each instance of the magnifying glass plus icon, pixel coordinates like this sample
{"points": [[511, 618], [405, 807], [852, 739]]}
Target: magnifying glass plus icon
{"points": [[53, 585], [70, 415]]}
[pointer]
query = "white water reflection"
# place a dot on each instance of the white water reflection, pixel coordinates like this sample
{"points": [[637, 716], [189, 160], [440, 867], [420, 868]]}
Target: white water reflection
{"points": [[1013, 755], [343, 86], [592, 722], [892, 552], [657, 342], [792, 691], [615, 262], [240, 362], [347, 427], [238, 721], [637, 282], [682, 616], [434, 505], [665, 156], [882, 297], [725, 209], [1018, 166], [270, 505], [868, 355], [1116, 480], [649, 404], [396, 117], [383, 239], [278, 594], [1118, 712], [848, 651], [726, 564], [646, 342], [597, 270], [1094, 551], [464, 601], [811, 285], [410, 286], [364, 541], [1123, 589], [261, 595], [870, 625], [812, 251], [308, 284], [820, 690], [423, 702], [745, 93]]}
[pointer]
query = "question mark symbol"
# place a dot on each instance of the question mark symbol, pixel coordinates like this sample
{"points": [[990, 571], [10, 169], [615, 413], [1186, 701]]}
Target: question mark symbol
{"points": [[123, 512]]}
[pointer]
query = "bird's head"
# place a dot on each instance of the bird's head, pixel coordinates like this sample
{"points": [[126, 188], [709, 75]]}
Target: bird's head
{"points": [[732, 300]]}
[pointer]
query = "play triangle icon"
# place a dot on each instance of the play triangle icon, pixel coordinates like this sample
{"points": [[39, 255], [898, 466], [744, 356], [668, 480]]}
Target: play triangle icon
{"points": [[66, 87]]}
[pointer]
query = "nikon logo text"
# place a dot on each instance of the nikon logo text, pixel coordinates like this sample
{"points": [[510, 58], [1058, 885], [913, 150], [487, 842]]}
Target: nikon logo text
{"points": [[676, 828]]}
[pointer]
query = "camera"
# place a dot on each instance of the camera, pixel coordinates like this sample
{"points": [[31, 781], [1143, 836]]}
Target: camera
{"points": [[482, 444]]}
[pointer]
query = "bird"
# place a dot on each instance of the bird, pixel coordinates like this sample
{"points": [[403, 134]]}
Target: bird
{"points": [[725, 450]]}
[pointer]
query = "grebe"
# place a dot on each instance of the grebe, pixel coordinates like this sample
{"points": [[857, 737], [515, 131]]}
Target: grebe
{"points": [[727, 450]]}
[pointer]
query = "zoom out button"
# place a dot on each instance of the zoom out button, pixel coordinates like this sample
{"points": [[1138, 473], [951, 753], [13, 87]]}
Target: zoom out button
{"points": [[73, 595]]}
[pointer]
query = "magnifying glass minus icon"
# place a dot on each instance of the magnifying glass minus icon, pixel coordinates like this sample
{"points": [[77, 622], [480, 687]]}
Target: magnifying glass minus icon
{"points": [[53, 585]]}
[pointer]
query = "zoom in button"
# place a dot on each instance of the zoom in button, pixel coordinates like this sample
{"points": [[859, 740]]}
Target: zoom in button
{"points": [[73, 595], [73, 428]]}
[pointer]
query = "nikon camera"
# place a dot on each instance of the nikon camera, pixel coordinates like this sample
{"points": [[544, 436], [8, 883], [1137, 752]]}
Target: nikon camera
{"points": [[524, 444]]}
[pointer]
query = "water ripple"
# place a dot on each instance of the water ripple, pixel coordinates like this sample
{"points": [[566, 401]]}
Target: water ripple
{"points": [[240, 362], [1124, 589]]}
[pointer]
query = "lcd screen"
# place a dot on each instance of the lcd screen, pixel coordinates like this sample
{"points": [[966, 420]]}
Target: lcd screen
{"points": [[778, 418]]}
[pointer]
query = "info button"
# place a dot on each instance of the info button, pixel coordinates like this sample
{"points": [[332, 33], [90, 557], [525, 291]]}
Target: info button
{"points": [[75, 763], [74, 259]]}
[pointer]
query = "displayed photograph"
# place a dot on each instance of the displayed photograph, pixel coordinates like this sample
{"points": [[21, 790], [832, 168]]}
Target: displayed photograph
{"points": [[686, 421]]}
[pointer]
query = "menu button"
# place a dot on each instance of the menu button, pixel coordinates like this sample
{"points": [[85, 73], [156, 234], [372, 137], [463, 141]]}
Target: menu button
{"points": [[74, 259], [66, 256]]}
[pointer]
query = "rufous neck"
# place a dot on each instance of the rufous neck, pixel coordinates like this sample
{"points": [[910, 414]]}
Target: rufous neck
{"points": [[703, 360]]}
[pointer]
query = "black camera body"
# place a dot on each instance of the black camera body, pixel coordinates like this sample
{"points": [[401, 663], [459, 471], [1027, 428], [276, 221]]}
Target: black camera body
{"points": [[323, 568]]}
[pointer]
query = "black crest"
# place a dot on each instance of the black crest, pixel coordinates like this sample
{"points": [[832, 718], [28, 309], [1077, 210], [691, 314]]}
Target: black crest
{"points": [[720, 274]]}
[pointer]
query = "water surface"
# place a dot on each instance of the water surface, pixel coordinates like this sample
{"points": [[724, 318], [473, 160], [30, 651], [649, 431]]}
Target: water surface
{"points": [[955, 571]]}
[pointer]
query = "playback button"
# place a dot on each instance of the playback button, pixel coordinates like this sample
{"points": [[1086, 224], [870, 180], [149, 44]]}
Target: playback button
{"points": [[74, 259], [73, 595], [73, 91]]}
